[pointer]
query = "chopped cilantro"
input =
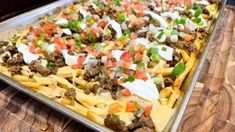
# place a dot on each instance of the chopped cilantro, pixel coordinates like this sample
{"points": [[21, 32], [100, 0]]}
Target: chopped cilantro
{"points": [[179, 69], [139, 112]]}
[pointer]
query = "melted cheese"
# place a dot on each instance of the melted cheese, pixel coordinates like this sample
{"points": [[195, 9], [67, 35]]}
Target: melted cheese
{"points": [[161, 115]]}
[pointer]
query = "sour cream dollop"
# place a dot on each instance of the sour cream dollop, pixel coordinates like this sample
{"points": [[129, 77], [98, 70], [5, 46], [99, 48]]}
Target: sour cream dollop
{"points": [[163, 22], [144, 89], [69, 59], [117, 27], [27, 55]]}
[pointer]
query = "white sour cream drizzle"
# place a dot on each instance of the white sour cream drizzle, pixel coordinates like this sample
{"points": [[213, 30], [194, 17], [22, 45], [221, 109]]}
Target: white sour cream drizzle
{"points": [[143, 41], [67, 31], [163, 22], [69, 59], [144, 89], [117, 27], [62, 22], [117, 54], [166, 54], [27, 55]]}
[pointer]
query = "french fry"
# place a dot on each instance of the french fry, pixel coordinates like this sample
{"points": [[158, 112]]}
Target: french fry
{"points": [[95, 117], [21, 78], [45, 80], [182, 76], [62, 81], [34, 85], [67, 72]]}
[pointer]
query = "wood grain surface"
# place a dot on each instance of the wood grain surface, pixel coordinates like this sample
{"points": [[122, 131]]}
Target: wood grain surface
{"points": [[211, 106]]}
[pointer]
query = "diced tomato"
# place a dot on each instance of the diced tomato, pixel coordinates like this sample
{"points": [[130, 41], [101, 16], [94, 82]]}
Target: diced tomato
{"points": [[79, 62], [102, 24], [139, 7], [126, 64], [159, 4], [133, 36], [147, 110], [109, 63], [109, 56], [131, 106], [138, 57], [83, 34], [114, 108], [140, 73], [102, 54], [59, 44], [94, 30], [32, 49], [38, 51], [126, 92], [88, 49], [35, 31], [126, 56]]}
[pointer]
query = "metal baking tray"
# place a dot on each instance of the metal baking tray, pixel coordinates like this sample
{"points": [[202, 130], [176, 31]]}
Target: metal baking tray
{"points": [[21, 22]]}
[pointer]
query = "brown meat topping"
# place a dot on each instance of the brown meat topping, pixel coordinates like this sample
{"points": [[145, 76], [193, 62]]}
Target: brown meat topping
{"points": [[18, 60], [115, 123], [15, 69], [142, 122], [57, 58], [36, 67], [70, 93]]}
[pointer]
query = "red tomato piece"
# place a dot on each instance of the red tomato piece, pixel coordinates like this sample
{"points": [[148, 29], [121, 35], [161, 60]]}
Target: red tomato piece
{"points": [[102, 24], [131, 106], [147, 110], [32, 49], [133, 36], [109, 63], [126, 56], [80, 60], [88, 49], [140, 73], [126, 92]]}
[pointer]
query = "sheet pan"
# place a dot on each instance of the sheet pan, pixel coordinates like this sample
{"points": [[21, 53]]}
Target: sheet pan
{"points": [[21, 22]]}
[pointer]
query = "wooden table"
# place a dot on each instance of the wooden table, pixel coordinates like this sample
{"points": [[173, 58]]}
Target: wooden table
{"points": [[211, 107]]}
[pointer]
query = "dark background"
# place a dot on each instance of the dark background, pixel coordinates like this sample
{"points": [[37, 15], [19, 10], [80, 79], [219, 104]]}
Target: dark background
{"points": [[9, 8]]}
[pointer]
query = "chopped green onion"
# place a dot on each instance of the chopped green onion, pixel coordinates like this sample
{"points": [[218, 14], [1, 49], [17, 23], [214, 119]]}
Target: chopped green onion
{"points": [[152, 50], [39, 43], [89, 37], [198, 12], [50, 64], [127, 33], [139, 112], [123, 37], [159, 36], [42, 36], [196, 20], [73, 24], [155, 57], [122, 17], [116, 117], [164, 49], [130, 79], [174, 32], [195, 5], [157, 80], [139, 64], [117, 2], [183, 20], [98, 3], [179, 69]]}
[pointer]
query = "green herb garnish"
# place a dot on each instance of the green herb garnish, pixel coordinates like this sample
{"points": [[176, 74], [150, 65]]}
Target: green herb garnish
{"points": [[159, 36], [179, 69], [164, 49], [117, 2], [198, 12], [39, 43], [130, 79], [122, 17], [139, 63], [157, 80], [98, 3], [152, 50], [155, 57], [50, 64], [42, 36], [116, 117]]}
